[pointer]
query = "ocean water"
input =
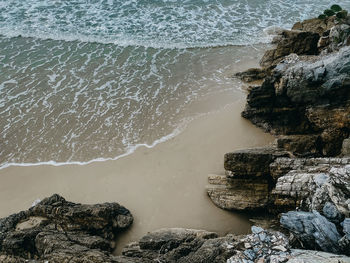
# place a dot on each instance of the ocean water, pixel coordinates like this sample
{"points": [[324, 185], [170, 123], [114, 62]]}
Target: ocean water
{"points": [[91, 80]]}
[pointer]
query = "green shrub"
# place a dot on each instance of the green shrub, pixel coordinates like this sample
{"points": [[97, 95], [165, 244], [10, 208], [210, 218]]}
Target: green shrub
{"points": [[329, 12], [335, 10]]}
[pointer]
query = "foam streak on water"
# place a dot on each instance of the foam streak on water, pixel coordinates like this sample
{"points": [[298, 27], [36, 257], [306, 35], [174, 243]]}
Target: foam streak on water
{"points": [[156, 23], [90, 80]]}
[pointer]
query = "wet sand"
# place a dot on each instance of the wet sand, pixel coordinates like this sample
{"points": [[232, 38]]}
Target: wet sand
{"points": [[162, 187]]}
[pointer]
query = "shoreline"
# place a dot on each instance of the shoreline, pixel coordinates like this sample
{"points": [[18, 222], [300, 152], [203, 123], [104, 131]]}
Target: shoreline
{"points": [[182, 162], [302, 178]]}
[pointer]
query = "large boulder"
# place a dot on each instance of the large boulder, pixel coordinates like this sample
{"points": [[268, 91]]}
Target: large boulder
{"points": [[56, 230], [312, 230], [247, 182], [292, 41]]}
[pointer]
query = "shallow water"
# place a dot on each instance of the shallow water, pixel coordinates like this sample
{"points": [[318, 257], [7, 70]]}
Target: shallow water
{"points": [[85, 81]]}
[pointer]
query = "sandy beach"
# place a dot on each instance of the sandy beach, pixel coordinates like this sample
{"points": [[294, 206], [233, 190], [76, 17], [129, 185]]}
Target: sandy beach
{"points": [[163, 186]]}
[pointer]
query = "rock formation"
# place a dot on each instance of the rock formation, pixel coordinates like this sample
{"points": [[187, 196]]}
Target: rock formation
{"points": [[179, 245], [304, 99], [56, 230]]}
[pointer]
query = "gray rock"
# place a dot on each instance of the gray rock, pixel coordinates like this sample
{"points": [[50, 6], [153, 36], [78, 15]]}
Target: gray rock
{"points": [[311, 256], [311, 183], [257, 230], [344, 243], [313, 230], [346, 226], [331, 212]]}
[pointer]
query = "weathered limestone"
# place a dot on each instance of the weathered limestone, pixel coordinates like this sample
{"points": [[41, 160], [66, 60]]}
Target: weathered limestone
{"points": [[246, 185], [311, 183], [238, 194]]}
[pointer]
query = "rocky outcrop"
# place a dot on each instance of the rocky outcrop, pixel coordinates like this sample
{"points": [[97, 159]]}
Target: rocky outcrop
{"points": [[56, 230], [309, 97], [314, 231], [198, 246], [306, 89], [313, 184], [247, 182], [291, 41], [304, 99]]}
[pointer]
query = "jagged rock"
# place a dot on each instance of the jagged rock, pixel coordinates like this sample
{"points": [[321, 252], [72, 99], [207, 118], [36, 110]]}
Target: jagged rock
{"points": [[308, 97], [312, 230], [198, 246], [344, 243], [311, 183], [335, 123], [182, 245], [339, 36], [331, 212], [266, 246], [56, 230], [292, 41]]}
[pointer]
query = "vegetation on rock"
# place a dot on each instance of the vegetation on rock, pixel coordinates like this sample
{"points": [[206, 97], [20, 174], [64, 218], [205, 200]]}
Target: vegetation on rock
{"points": [[335, 10]]}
